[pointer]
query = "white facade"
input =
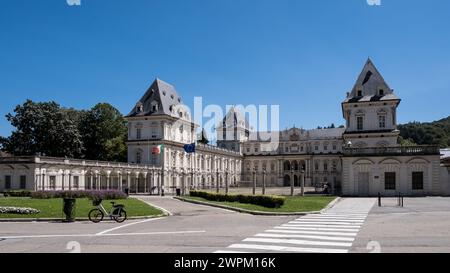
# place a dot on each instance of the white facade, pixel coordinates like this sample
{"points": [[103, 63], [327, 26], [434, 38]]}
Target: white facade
{"points": [[362, 159]]}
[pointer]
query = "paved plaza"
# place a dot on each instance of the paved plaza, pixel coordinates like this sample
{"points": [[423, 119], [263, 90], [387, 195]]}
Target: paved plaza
{"points": [[352, 225]]}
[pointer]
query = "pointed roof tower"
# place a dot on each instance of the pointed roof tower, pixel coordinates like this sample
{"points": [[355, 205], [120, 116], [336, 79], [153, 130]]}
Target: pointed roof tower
{"points": [[370, 86], [161, 98]]}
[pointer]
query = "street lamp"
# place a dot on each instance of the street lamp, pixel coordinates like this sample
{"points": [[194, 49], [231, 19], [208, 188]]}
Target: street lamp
{"points": [[226, 182], [302, 181], [292, 181], [254, 180], [217, 182], [264, 181]]}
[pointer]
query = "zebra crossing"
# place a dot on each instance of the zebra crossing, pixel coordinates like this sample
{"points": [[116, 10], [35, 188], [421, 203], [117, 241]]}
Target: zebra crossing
{"points": [[314, 233]]}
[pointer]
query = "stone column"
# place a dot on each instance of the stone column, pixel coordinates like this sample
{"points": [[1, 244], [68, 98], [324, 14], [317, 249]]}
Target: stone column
{"points": [[120, 180], [70, 181]]}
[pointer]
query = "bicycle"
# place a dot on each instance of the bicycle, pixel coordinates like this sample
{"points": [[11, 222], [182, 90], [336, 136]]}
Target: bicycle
{"points": [[117, 213]]}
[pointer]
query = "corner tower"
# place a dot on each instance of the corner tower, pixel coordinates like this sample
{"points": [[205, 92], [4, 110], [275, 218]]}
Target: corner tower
{"points": [[370, 111]]}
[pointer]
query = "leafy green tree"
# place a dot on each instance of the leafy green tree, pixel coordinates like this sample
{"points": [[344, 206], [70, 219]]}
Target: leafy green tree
{"points": [[43, 128], [104, 133]]}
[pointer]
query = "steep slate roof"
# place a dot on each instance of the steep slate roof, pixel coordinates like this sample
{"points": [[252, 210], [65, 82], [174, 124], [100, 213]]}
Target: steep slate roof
{"points": [[233, 118], [161, 92], [370, 82]]}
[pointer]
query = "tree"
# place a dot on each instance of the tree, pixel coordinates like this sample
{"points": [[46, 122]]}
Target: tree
{"points": [[104, 133], [43, 128]]}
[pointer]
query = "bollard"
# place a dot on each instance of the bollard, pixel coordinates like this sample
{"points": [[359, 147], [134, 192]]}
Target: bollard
{"points": [[379, 199]]}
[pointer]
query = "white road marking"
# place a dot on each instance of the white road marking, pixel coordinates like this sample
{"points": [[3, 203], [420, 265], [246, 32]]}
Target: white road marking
{"points": [[101, 235], [230, 251], [312, 232], [326, 238], [318, 228], [297, 242], [323, 226], [329, 220], [316, 233], [127, 225], [288, 249], [324, 223], [333, 217]]}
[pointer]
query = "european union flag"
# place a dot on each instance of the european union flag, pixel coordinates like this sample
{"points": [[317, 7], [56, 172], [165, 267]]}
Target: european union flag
{"points": [[189, 148]]}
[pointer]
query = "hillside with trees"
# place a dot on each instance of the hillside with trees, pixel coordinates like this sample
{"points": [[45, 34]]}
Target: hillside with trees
{"points": [[427, 133]]}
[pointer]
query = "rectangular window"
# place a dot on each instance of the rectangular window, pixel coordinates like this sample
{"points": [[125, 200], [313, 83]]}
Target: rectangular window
{"points": [[138, 133], [417, 181], [23, 182], [76, 182], [334, 147], [316, 166], [360, 123], [154, 134], [325, 166], [7, 182], [154, 159], [382, 121], [325, 148], [248, 150], [389, 181], [256, 150], [316, 148], [52, 182], [359, 94]]}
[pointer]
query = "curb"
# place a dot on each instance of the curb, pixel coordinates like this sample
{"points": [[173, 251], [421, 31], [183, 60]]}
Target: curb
{"points": [[59, 220], [260, 213]]}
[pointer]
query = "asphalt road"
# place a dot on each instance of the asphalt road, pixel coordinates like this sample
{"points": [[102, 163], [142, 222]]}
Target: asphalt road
{"points": [[421, 226], [190, 228]]}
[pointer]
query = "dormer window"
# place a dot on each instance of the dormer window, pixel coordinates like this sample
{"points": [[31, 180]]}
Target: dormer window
{"points": [[139, 108], [381, 92], [359, 93], [171, 96]]}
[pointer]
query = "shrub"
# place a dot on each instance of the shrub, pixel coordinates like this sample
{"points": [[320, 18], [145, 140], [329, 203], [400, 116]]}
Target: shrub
{"points": [[93, 195], [18, 193], [16, 210], [260, 200]]}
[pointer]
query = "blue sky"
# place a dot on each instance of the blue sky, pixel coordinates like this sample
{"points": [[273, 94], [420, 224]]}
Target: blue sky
{"points": [[301, 54]]}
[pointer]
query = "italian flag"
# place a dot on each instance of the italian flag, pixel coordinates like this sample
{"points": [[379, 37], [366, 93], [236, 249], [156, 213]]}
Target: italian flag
{"points": [[157, 149]]}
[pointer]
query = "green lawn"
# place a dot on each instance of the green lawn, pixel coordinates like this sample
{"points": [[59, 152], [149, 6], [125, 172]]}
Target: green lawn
{"points": [[52, 208], [292, 204]]}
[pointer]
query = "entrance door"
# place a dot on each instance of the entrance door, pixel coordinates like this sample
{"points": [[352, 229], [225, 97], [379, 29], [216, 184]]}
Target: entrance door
{"points": [[363, 184]]}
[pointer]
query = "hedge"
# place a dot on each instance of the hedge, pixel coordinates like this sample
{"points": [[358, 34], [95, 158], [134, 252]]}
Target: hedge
{"points": [[17, 193], [93, 195], [260, 200]]}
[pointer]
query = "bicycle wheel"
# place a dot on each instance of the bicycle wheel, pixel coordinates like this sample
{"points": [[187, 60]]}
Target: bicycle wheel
{"points": [[120, 215], [96, 215]]}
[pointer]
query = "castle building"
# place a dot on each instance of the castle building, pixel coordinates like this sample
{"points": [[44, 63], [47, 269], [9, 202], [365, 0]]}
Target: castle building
{"points": [[362, 158]]}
